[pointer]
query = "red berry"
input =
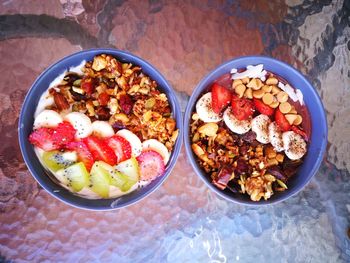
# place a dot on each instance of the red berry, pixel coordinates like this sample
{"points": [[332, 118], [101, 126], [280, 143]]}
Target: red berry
{"points": [[281, 121], [84, 155], [121, 147], [151, 165], [42, 138], [242, 108], [220, 97], [103, 99], [100, 150], [263, 108], [126, 103]]}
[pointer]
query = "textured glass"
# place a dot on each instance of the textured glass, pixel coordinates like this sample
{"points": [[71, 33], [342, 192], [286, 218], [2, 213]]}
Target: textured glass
{"points": [[183, 221]]}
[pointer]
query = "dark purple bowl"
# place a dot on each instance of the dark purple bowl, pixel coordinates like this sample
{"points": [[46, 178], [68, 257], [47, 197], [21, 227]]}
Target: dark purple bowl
{"points": [[319, 129], [26, 120]]}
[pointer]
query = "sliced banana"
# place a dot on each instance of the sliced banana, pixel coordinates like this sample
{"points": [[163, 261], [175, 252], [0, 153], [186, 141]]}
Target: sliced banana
{"points": [[136, 145], [47, 118], [236, 126], [157, 146], [205, 110], [81, 123], [275, 137], [294, 145], [102, 129], [260, 125]]}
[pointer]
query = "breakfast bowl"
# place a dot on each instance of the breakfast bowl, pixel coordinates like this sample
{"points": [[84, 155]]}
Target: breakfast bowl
{"points": [[100, 129], [255, 130]]}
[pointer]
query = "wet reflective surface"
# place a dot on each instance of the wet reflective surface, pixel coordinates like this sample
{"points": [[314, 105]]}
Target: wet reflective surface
{"points": [[183, 221]]}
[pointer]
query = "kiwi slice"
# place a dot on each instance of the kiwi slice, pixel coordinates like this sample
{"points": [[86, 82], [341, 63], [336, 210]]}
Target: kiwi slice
{"points": [[129, 168], [100, 179], [56, 160], [75, 176]]}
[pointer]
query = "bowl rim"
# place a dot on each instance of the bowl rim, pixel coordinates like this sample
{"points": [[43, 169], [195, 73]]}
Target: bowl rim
{"points": [[187, 116], [175, 152]]}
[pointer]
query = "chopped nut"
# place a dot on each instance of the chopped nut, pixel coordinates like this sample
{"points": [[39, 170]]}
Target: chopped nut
{"points": [[282, 96], [258, 94], [272, 81], [195, 116], [255, 84], [170, 125], [267, 88], [197, 150], [240, 89], [245, 80], [196, 137], [236, 82], [99, 63], [275, 90], [298, 120], [280, 157], [291, 118], [121, 117], [270, 152], [271, 162], [285, 107], [249, 93], [209, 129], [293, 111], [149, 104], [267, 98], [275, 103]]}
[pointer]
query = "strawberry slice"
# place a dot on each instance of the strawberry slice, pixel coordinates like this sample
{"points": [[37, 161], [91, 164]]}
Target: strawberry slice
{"points": [[100, 150], [42, 138], [63, 134], [151, 165], [220, 97], [121, 147], [263, 108], [242, 108], [84, 155], [300, 132], [281, 121]]}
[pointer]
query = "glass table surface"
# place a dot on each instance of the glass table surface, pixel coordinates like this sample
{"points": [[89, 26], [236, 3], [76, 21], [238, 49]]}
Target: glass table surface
{"points": [[183, 221]]}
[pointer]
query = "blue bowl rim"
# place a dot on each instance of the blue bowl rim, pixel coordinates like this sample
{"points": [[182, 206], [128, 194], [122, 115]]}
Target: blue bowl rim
{"points": [[199, 89], [170, 165]]}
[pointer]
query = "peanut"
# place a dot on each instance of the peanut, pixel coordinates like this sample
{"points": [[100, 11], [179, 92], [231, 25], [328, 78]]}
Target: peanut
{"points": [[275, 103], [275, 90], [298, 120], [272, 81], [267, 88], [267, 98], [293, 111], [236, 82], [282, 96], [285, 107], [255, 84], [291, 118], [209, 129], [249, 93], [258, 94], [240, 89]]}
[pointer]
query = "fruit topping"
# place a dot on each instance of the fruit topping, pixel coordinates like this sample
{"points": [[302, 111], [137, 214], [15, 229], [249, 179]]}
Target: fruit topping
{"points": [[151, 165], [48, 119], [204, 109], [76, 176], [130, 168], [221, 97], [126, 103], [100, 150], [281, 121], [102, 129], [263, 108], [56, 160], [136, 145], [84, 155], [99, 180], [242, 108], [81, 123], [120, 146], [157, 146]]}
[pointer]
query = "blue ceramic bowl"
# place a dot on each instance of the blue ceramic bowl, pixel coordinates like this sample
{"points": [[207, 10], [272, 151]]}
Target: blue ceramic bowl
{"points": [[26, 120], [313, 102]]}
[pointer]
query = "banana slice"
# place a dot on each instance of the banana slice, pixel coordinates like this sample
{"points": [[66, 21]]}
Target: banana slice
{"points": [[275, 137], [260, 125], [205, 110], [81, 123], [157, 146], [47, 118], [294, 145], [136, 145], [102, 129], [236, 126]]}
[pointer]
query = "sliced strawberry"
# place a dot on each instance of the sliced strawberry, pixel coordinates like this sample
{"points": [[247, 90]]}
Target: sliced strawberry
{"points": [[220, 97], [300, 132], [87, 86], [263, 108], [151, 165], [121, 147], [103, 99], [42, 138], [242, 108], [281, 121], [63, 134], [100, 150], [84, 155]]}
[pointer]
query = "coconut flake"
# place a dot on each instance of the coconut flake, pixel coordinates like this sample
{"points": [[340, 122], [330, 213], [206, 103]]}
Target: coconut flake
{"points": [[251, 72], [300, 96]]}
